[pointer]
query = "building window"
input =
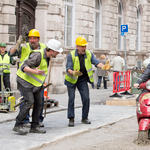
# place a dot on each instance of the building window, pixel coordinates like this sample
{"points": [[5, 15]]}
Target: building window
{"points": [[139, 64], [120, 22], [69, 23], [138, 31], [98, 24]]}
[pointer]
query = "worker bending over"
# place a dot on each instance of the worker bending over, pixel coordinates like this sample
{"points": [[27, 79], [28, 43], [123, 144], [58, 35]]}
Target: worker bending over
{"points": [[30, 78]]}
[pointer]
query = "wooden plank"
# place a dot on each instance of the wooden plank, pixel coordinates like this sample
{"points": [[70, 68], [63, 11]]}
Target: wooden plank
{"points": [[121, 102]]}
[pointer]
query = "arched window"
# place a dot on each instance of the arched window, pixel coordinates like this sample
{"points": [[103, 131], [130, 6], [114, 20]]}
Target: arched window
{"points": [[98, 24], [69, 23], [138, 31], [120, 22]]}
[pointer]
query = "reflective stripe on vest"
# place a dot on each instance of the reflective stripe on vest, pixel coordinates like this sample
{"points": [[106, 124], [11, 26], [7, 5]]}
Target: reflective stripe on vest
{"points": [[5, 63], [26, 51], [34, 79], [76, 65]]}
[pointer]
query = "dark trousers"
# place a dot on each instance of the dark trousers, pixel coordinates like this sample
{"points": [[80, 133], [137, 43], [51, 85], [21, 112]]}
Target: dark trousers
{"points": [[84, 93], [104, 82], [30, 99], [6, 81], [41, 118]]}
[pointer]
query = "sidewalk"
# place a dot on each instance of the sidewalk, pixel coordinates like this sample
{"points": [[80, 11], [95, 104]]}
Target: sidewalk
{"points": [[56, 122]]}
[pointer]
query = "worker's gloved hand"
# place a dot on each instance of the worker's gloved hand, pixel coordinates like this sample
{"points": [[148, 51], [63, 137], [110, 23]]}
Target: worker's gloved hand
{"points": [[20, 41], [23, 42], [106, 66], [77, 73]]}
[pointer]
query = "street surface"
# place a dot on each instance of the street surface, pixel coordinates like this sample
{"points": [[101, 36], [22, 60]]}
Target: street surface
{"points": [[56, 124], [116, 136]]}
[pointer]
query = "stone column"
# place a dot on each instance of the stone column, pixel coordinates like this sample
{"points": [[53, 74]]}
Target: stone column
{"points": [[41, 20], [56, 76]]}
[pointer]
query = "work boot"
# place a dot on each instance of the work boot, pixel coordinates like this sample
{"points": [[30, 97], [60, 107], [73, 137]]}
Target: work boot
{"points": [[86, 121], [40, 124], [37, 130], [71, 122], [20, 130], [27, 125]]}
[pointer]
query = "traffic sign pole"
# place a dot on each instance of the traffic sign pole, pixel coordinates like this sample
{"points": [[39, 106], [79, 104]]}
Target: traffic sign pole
{"points": [[124, 28], [125, 53]]}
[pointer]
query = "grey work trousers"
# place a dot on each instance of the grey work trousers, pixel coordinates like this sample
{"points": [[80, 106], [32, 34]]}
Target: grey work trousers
{"points": [[30, 99]]}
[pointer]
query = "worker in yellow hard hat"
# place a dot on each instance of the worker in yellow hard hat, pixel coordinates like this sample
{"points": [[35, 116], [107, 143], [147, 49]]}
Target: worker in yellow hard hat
{"points": [[78, 73], [22, 52]]}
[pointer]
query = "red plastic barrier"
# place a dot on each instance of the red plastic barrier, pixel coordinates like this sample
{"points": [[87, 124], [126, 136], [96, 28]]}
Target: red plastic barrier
{"points": [[121, 81]]}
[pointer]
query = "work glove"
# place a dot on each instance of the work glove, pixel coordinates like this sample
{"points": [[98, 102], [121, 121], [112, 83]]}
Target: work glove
{"points": [[106, 66], [77, 73], [20, 41]]}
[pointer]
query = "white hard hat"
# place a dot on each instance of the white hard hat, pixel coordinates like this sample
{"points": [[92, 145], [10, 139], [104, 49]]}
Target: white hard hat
{"points": [[54, 45]]}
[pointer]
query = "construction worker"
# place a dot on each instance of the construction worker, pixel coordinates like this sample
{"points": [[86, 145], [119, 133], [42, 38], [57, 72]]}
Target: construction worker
{"points": [[30, 78], [78, 73], [5, 61], [22, 53]]}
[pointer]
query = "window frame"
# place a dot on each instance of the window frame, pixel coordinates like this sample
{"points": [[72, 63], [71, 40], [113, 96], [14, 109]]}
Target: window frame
{"points": [[139, 60], [100, 26], [73, 23]]}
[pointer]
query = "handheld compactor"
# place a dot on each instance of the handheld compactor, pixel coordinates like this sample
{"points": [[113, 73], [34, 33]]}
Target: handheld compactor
{"points": [[7, 98]]}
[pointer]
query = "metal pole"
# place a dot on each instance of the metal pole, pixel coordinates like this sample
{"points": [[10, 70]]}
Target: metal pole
{"points": [[125, 52]]}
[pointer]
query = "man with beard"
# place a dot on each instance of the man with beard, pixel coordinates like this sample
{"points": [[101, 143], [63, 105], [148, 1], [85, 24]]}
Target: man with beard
{"points": [[22, 53]]}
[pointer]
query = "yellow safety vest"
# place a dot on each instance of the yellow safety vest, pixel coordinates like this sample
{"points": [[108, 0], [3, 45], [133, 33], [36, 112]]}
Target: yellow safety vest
{"points": [[26, 51], [76, 65], [5, 61], [34, 79]]}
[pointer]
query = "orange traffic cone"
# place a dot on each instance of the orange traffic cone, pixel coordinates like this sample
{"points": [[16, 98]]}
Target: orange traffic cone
{"points": [[45, 93]]}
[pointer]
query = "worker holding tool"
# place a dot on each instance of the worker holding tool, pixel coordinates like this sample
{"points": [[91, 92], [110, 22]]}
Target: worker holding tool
{"points": [[22, 50], [5, 62], [30, 78], [78, 73]]}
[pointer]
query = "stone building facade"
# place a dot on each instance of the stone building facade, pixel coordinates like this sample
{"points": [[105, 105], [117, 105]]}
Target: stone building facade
{"points": [[97, 20]]}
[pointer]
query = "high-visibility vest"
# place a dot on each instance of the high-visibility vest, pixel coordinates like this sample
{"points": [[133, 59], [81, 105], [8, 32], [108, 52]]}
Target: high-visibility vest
{"points": [[5, 61], [76, 65], [34, 79], [26, 51]]}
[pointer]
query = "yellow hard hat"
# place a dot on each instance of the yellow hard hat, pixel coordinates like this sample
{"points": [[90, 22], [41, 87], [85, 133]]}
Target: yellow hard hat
{"points": [[81, 41], [34, 32]]}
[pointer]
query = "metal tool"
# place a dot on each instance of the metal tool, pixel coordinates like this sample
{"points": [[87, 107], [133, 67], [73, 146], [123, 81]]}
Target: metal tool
{"points": [[24, 100], [50, 65], [7, 101]]}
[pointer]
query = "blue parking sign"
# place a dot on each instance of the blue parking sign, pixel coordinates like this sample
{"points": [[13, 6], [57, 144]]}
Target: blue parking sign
{"points": [[124, 28]]}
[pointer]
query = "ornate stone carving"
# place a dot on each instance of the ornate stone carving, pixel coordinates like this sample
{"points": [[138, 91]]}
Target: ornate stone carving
{"points": [[11, 38], [12, 29], [26, 21]]}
